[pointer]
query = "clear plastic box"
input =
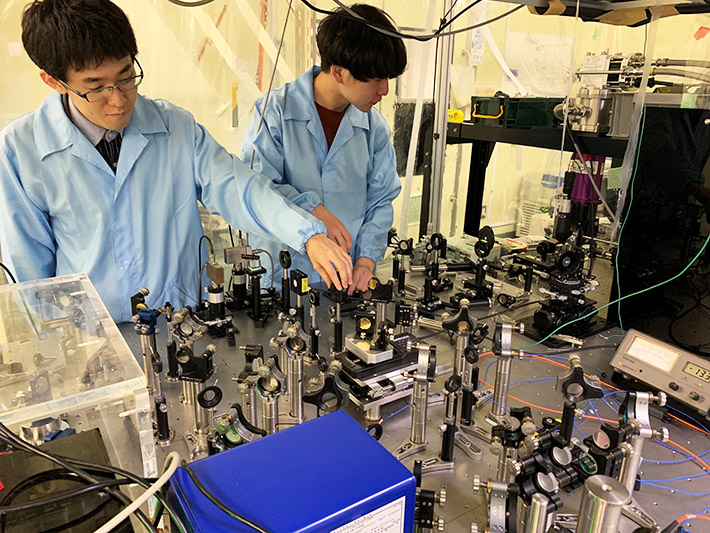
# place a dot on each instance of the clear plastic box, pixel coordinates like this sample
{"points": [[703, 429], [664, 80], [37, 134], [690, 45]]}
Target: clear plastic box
{"points": [[64, 364]]}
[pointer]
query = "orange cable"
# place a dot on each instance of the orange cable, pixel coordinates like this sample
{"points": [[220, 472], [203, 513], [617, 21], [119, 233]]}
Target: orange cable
{"points": [[688, 424], [547, 408], [691, 454], [691, 516]]}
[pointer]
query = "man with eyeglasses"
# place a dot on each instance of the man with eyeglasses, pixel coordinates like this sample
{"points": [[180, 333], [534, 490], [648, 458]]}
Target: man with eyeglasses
{"points": [[102, 180]]}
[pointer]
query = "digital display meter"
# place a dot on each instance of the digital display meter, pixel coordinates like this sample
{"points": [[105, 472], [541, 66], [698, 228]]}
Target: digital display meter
{"points": [[680, 374], [697, 371]]}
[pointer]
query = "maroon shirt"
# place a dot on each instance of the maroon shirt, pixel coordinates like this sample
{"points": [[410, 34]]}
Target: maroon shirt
{"points": [[330, 121]]}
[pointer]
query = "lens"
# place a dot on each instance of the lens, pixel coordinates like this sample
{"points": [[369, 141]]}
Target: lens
{"points": [[129, 84], [96, 96]]}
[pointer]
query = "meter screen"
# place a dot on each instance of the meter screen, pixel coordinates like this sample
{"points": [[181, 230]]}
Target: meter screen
{"points": [[655, 354], [697, 372]]}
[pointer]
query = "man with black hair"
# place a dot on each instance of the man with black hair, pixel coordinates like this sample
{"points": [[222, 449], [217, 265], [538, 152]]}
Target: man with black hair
{"points": [[102, 180], [326, 147]]}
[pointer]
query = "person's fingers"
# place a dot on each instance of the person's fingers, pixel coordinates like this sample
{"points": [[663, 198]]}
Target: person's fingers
{"points": [[329, 273], [348, 240], [342, 242], [361, 283], [344, 237], [327, 279], [347, 268], [355, 284]]}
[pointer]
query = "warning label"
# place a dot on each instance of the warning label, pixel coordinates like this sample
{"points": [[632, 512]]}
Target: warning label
{"points": [[387, 519]]}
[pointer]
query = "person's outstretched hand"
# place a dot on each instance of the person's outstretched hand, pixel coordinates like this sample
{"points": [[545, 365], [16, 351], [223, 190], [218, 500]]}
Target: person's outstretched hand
{"points": [[335, 229], [362, 274], [330, 260]]}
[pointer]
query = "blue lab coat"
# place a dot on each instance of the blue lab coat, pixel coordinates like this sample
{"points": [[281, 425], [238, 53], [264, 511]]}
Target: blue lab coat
{"points": [[356, 179], [62, 209]]}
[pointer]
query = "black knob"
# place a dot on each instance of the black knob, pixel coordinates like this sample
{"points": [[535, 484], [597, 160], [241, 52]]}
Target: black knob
{"points": [[453, 383], [694, 396], [209, 397], [285, 259], [673, 386]]}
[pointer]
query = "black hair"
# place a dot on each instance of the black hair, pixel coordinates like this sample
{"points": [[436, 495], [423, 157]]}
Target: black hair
{"points": [[350, 43], [59, 35]]}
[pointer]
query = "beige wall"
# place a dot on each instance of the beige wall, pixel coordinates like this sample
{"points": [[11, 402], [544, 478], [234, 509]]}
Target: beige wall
{"points": [[192, 63]]}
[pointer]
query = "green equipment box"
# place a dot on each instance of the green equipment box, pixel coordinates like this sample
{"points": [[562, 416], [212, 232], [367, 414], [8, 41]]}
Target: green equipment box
{"points": [[506, 112]]}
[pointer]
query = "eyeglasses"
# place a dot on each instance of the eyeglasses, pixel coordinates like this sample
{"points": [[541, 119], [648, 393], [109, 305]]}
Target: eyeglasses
{"points": [[104, 93]]}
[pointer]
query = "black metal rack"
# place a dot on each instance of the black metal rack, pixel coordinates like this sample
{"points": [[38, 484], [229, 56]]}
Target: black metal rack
{"points": [[483, 140]]}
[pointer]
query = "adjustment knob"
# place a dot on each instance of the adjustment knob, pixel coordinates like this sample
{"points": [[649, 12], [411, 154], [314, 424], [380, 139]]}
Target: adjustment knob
{"points": [[476, 483], [661, 399], [694, 396], [440, 524], [441, 497], [673, 386], [528, 427], [496, 447], [663, 434], [474, 528]]}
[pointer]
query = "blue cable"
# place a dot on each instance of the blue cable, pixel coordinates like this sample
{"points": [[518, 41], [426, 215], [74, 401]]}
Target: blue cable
{"points": [[408, 405], [562, 357], [681, 478], [499, 405], [609, 405], [675, 490], [675, 461], [485, 375], [689, 519], [397, 412], [595, 411], [592, 406], [529, 380], [697, 422]]}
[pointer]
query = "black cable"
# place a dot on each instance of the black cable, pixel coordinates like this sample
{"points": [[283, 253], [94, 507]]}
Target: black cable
{"points": [[514, 308], [197, 3], [451, 21], [37, 479], [453, 5], [10, 438], [47, 476], [579, 349], [143, 482], [438, 33], [422, 38], [222, 507], [6, 509], [8, 273], [199, 245], [200, 266], [78, 520]]}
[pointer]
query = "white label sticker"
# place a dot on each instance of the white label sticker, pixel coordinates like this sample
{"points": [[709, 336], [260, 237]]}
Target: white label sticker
{"points": [[387, 519], [593, 63]]}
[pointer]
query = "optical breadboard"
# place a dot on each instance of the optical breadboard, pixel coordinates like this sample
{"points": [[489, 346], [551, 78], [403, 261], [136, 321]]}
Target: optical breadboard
{"points": [[328, 474], [682, 375]]}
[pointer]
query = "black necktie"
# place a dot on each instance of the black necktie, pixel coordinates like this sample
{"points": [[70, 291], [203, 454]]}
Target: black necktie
{"points": [[109, 150]]}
